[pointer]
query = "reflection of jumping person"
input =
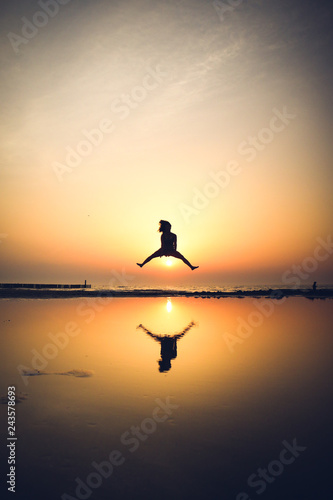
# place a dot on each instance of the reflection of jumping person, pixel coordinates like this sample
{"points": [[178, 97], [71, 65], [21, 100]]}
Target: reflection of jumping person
{"points": [[168, 246], [168, 345]]}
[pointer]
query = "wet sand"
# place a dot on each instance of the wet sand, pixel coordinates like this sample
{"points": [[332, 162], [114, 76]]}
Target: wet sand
{"points": [[176, 398]]}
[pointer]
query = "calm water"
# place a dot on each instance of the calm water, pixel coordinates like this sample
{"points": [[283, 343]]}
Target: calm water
{"points": [[153, 398]]}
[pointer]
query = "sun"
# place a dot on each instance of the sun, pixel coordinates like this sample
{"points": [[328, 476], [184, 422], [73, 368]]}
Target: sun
{"points": [[169, 262]]}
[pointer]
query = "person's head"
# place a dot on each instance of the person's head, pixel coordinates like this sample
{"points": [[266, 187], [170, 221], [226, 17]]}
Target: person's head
{"points": [[164, 365], [165, 226]]}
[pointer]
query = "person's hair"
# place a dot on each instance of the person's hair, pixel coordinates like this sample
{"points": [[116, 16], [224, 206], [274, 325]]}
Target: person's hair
{"points": [[164, 365], [164, 226]]}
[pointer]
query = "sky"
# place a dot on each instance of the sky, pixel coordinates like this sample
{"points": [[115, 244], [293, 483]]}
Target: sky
{"points": [[215, 116]]}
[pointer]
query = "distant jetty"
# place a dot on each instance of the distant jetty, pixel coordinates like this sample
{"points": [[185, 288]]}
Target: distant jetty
{"points": [[35, 286], [73, 291]]}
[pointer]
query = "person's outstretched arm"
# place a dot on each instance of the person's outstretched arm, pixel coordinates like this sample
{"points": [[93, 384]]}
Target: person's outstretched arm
{"points": [[153, 335], [186, 329]]}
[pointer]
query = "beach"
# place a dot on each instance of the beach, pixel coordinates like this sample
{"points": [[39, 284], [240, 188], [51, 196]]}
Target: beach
{"points": [[276, 293], [169, 397]]}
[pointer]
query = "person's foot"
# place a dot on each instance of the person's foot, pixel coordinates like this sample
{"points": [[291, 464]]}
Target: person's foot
{"points": [[194, 267], [140, 265]]}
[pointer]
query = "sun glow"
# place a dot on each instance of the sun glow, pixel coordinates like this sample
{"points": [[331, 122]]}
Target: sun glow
{"points": [[169, 126], [169, 305]]}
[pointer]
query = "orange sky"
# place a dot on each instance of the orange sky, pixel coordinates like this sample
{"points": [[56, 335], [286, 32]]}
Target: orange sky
{"points": [[117, 116]]}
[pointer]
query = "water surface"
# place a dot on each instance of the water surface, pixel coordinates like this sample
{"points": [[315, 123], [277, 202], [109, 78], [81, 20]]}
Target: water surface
{"points": [[188, 397]]}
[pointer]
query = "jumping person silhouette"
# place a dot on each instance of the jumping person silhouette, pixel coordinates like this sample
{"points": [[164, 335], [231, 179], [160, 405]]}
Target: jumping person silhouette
{"points": [[168, 246]]}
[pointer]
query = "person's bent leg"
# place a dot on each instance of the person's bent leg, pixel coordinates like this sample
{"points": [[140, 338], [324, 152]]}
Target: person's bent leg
{"points": [[152, 256], [178, 255]]}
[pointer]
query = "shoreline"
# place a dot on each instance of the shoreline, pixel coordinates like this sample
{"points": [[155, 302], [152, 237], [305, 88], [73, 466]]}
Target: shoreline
{"points": [[8, 293]]}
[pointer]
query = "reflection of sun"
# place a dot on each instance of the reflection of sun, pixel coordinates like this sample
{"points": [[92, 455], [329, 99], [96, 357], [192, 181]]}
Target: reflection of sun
{"points": [[169, 305], [169, 262]]}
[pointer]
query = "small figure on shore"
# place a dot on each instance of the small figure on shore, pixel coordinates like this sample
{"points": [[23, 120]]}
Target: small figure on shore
{"points": [[314, 286], [168, 246]]}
